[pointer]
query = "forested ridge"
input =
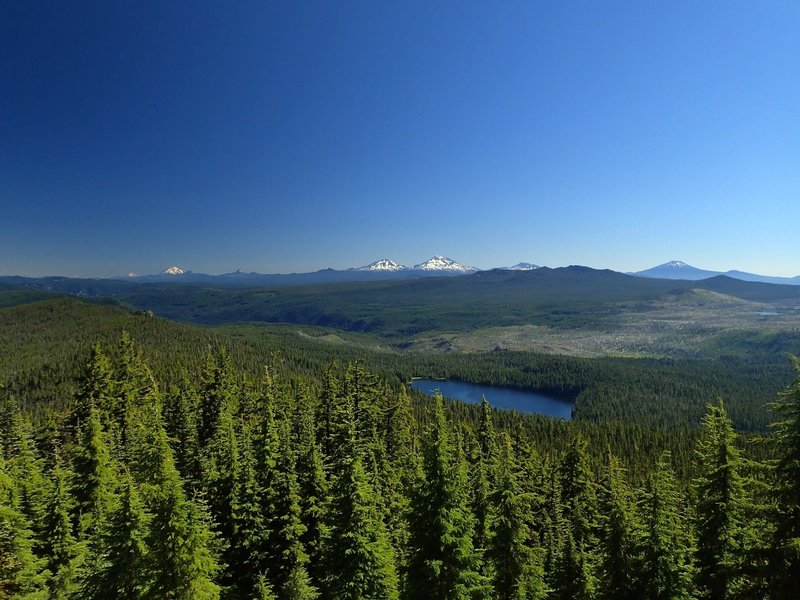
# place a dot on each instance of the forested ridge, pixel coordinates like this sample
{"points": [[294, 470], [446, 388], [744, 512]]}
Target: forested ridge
{"points": [[339, 486], [44, 343]]}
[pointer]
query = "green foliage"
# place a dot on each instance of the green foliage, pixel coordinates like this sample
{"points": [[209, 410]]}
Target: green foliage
{"points": [[443, 564], [119, 565], [786, 543], [61, 550], [619, 551], [517, 573], [314, 481], [719, 508], [666, 567], [20, 569], [360, 564]]}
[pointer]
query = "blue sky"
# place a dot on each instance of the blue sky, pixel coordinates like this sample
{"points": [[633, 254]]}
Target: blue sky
{"points": [[278, 137]]}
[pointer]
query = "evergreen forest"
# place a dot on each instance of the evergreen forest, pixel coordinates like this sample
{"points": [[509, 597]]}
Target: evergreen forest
{"points": [[168, 461]]}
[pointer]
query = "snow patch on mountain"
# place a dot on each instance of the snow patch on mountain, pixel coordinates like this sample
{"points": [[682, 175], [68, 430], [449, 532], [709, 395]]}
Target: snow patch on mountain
{"points": [[523, 266], [442, 263], [173, 271], [383, 264], [674, 264]]}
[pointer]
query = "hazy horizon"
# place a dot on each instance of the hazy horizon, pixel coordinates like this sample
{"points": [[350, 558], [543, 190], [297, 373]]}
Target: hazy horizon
{"points": [[158, 270]]}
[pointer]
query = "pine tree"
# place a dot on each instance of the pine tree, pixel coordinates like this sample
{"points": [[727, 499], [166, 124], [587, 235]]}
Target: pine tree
{"points": [[180, 562], [665, 569], [575, 565], [246, 558], [25, 468], [401, 470], [443, 564], [786, 543], [180, 421], [217, 394], [93, 477], [618, 538], [96, 389], [572, 580], [20, 569], [61, 551], [285, 549], [720, 498], [119, 565], [135, 388], [313, 487], [360, 559], [220, 460], [486, 433], [516, 572]]}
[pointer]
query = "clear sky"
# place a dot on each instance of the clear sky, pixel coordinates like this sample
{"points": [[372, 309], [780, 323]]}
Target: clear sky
{"points": [[292, 136]]}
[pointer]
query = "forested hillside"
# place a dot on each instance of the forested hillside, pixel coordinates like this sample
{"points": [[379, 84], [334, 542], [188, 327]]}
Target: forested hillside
{"points": [[336, 487]]}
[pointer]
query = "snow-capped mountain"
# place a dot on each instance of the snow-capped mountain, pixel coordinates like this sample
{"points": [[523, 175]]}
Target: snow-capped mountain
{"points": [[523, 266], [173, 271], [676, 269], [383, 264], [442, 263]]}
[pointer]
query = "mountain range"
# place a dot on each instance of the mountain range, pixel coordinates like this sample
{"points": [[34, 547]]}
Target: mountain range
{"points": [[382, 269]]}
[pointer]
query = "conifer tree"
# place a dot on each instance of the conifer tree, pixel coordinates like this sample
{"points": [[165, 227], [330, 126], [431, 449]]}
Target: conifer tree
{"points": [[217, 394], [443, 564], [516, 573], [572, 580], [313, 487], [618, 537], [180, 421], [286, 555], [575, 565], [298, 585], [486, 433], [220, 460], [61, 550], [480, 503], [665, 569], [360, 559], [328, 413], [92, 477], [25, 468], [786, 543], [135, 388], [96, 389], [245, 556], [20, 569], [180, 562], [401, 469], [720, 498], [578, 493], [119, 568]]}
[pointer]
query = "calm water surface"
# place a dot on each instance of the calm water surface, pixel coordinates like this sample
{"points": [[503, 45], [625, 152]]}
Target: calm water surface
{"points": [[500, 397]]}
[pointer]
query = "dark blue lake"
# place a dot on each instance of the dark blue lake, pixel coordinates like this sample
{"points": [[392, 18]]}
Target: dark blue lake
{"points": [[498, 397]]}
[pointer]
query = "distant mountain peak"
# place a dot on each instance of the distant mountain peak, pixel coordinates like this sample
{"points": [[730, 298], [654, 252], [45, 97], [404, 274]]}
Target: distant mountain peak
{"points": [[442, 263], [523, 266], [384, 264], [173, 271], [132, 274]]}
